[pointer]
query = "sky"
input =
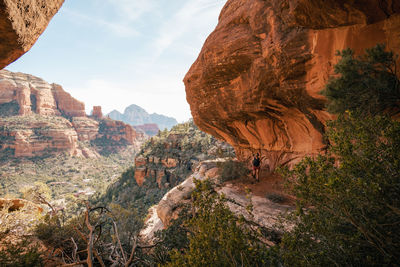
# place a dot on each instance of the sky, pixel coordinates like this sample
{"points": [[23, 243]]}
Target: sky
{"points": [[114, 53]]}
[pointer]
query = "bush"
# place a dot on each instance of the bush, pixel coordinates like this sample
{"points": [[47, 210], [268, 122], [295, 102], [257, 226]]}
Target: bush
{"points": [[21, 254], [348, 209], [231, 170], [367, 84], [348, 213], [276, 197]]}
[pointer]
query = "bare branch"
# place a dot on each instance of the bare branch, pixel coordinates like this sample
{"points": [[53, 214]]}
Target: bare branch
{"points": [[119, 241], [134, 245]]}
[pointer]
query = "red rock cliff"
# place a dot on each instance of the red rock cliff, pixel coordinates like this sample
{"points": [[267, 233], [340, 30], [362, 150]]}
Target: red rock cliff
{"points": [[37, 119], [66, 103], [257, 80], [34, 95], [21, 23]]}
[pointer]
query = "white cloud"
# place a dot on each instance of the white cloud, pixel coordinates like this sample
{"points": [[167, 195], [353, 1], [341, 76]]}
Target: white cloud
{"points": [[195, 12], [131, 10], [120, 29]]}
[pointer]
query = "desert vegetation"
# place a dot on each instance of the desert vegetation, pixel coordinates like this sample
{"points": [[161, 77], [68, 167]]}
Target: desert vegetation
{"points": [[69, 179]]}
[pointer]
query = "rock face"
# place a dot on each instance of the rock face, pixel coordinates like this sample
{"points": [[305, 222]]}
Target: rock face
{"points": [[168, 158], [66, 104], [31, 136], [38, 119], [160, 169], [135, 115], [21, 23], [86, 128], [117, 131], [257, 80], [34, 95], [96, 112]]}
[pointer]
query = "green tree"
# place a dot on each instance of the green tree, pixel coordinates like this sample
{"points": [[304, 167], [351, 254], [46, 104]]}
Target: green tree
{"points": [[348, 210], [367, 84], [349, 199]]}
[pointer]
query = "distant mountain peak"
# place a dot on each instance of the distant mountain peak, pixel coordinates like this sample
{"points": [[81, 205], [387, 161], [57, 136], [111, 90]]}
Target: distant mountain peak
{"points": [[136, 115]]}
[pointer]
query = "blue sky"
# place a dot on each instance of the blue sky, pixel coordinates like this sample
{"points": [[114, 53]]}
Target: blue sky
{"points": [[115, 53]]}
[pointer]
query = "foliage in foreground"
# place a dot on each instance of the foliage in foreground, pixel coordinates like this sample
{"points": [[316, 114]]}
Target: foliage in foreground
{"points": [[216, 236], [22, 254], [99, 236], [349, 211]]}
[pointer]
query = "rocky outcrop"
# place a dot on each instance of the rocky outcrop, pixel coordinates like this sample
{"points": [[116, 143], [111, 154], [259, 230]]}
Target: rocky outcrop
{"points": [[160, 169], [257, 80], [21, 23], [34, 95], [151, 129], [29, 136], [66, 104], [16, 204], [96, 112], [38, 119], [265, 212], [168, 158], [117, 131], [86, 128]]}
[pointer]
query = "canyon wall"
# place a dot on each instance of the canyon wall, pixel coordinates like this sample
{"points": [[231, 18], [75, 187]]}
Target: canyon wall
{"points": [[21, 23], [34, 95], [41, 119], [257, 79]]}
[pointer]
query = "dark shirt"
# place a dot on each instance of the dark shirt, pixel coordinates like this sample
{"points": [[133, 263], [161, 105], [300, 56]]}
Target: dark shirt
{"points": [[256, 162]]}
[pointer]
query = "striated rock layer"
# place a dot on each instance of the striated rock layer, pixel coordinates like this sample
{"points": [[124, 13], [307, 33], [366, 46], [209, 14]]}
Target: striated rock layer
{"points": [[34, 95], [257, 80], [41, 119], [21, 23]]}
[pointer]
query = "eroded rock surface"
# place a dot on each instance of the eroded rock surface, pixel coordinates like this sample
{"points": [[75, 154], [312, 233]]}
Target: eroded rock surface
{"points": [[21, 23], [38, 118], [34, 95], [257, 80]]}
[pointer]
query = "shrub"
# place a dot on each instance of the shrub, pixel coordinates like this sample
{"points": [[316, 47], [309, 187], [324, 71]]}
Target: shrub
{"points": [[276, 197], [348, 213], [367, 84], [231, 170], [22, 253], [349, 199]]}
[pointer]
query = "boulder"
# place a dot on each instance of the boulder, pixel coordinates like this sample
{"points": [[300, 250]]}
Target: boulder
{"points": [[256, 83], [21, 24]]}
